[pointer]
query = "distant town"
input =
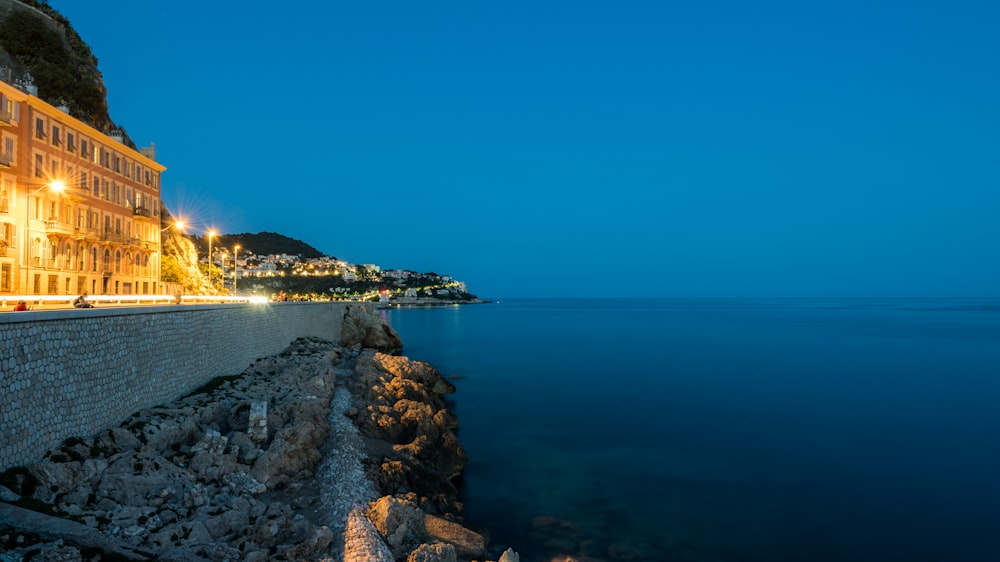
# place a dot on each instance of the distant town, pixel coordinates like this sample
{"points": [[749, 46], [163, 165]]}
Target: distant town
{"points": [[293, 277]]}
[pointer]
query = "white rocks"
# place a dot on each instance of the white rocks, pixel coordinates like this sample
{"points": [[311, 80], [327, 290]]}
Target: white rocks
{"points": [[257, 426]]}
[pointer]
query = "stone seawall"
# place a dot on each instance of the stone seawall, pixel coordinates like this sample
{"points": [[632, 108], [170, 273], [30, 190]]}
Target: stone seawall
{"points": [[76, 372]]}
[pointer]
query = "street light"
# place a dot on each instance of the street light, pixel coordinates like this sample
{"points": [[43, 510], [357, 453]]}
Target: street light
{"points": [[211, 279], [57, 186], [236, 265]]}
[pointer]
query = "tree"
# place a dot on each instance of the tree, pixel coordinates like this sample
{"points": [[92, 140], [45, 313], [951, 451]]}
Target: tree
{"points": [[170, 270]]}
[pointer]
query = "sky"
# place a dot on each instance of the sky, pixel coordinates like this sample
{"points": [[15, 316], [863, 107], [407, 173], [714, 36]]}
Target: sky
{"points": [[581, 149]]}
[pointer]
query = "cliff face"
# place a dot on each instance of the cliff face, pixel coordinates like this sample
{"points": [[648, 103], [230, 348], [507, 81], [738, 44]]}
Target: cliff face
{"points": [[39, 46], [180, 265]]}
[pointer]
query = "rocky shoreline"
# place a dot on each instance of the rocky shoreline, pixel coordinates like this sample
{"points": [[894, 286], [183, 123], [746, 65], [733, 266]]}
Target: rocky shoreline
{"points": [[326, 451]]}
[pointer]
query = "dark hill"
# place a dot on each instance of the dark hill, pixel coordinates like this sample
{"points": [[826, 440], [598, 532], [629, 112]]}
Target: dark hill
{"points": [[262, 243]]}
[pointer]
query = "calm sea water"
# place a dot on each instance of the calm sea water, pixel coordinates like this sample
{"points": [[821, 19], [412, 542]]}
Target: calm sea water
{"points": [[726, 429]]}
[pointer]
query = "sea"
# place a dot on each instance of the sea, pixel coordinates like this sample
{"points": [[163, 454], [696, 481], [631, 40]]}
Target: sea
{"points": [[744, 430]]}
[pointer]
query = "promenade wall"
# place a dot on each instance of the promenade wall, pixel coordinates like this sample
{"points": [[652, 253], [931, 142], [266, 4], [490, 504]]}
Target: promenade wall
{"points": [[69, 373]]}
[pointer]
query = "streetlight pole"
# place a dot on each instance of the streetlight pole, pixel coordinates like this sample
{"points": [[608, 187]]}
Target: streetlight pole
{"points": [[236, 265], [211, 279], [58, 187]]}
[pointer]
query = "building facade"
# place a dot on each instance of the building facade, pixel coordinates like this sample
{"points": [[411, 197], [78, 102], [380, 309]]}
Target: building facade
{"points": [[79, 210]]}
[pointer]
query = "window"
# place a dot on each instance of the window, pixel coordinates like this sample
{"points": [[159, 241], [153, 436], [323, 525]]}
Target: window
{"points": [[5, 270], [56, 136], [107, 260], [9, 148], [93, 258], [39, 166], [84, 149], [39, 129], [70, 142], [97, 186], [118, 261]]}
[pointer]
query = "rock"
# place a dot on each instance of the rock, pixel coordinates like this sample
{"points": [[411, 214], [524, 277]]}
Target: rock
{"points": [[7, 495], [257, 422], [362, 542], [400, 523], [509, 556], [368, 329], [467, 543], [292, 454], [437, 552], [246, 450], [417, 371], [313, 546]]}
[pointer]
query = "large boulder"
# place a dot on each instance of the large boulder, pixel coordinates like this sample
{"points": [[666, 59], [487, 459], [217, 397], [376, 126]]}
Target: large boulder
{"points": [[361, 326], [467, 543], [400, 523]]}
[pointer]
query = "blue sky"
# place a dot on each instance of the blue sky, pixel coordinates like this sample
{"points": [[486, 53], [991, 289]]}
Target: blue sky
{"points": [[574, 148]]}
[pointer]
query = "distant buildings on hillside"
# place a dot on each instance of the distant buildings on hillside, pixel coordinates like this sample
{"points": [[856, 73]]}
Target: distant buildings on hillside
{"points": [[250, 266]]}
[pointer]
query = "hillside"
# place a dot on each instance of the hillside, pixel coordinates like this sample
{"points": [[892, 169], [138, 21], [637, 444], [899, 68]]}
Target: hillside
{"points": [[39, 46], [261, 243]]}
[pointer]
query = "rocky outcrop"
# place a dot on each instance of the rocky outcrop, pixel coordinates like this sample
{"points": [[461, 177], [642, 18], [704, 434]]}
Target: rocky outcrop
{"points": [[319, 453], [184, 481], [411, 432], [361, 326]]}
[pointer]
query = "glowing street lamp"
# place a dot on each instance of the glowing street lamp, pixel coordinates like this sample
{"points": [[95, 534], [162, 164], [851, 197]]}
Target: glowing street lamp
{"points": [[179, 225], [56, 186]]}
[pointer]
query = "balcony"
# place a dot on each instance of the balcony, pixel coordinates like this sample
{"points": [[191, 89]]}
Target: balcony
{"points": [[4, 204], [58, 227], [6, 159], [114, 238], [6, 119], [87, 234], [142, 213]]}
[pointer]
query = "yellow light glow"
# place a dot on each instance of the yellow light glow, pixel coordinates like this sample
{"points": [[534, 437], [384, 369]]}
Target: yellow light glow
{"points": [[58, 186]]}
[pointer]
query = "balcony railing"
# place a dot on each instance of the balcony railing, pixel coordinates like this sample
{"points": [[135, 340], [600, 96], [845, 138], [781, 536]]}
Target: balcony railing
{"points": [[6, 118], [119, 238], [4, 205], [6, 159], [58, 227], [142, 212], [87, 234]]}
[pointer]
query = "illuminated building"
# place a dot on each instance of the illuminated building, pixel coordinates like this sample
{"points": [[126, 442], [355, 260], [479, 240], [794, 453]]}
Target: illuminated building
{"points": [[79, 210]]}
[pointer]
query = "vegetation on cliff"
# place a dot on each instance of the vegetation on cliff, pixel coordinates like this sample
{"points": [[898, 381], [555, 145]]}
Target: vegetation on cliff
{"points": [[35, 39]]}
